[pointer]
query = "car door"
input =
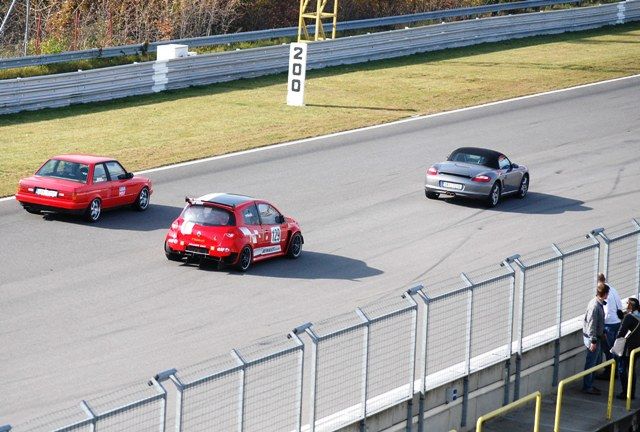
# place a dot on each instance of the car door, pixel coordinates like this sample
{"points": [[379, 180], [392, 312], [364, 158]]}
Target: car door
{"points": [[511, 177], [120, 188], [100, 184], [273, 228], [250, 226]]}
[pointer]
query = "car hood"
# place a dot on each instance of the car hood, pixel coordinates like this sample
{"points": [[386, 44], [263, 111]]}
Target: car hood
{"points": [[461, 169], [51, 183]]}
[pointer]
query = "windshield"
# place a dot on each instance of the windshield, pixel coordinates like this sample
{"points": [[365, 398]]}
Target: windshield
{"points": [[65, 170], [471, 157], [208, 216]]}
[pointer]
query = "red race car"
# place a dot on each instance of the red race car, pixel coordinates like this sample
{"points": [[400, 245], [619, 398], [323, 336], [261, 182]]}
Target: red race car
{"points": [[232, 229], [84, 185]]}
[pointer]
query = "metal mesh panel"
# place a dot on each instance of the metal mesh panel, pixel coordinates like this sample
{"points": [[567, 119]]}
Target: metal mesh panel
{"points": [[339, 372], [145, 417], [579, 274], [623, 260], [272, 384], [446, 346], [213, 403], [540, 307], [135, 407], [57, 421], [490, 330], [391, 352]]}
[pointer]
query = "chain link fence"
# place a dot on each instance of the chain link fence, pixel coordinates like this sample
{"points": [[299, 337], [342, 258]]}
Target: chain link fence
{"points": [[362, 362]]}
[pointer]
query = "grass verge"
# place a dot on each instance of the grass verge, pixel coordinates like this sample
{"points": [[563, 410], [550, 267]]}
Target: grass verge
{"points": [[150, 131]]}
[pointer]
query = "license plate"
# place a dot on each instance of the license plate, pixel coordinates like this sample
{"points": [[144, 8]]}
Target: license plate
{"points": [[456, 186], [46, 192]]}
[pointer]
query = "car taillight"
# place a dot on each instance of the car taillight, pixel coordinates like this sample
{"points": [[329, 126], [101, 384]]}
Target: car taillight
{"points": [[481, 179], [432, 171]]}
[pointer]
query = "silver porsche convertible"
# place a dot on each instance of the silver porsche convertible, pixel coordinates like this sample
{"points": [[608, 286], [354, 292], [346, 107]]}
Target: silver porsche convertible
{"points": [[477, 173]]}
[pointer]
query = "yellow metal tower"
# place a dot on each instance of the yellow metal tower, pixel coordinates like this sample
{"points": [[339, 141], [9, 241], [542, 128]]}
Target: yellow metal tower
{"points": [[315, 17]]}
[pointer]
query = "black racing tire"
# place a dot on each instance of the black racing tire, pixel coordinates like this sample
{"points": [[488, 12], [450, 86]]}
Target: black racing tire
{"points": [[431, 195], [142, 201], [31, 210], [524, 187], [93, 211], [494, 195], [245, 257], [295, 246], [171, 256]]}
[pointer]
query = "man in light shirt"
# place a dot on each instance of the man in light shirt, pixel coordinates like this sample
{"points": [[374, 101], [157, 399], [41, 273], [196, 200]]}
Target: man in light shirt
{"points": [[612, 317]]}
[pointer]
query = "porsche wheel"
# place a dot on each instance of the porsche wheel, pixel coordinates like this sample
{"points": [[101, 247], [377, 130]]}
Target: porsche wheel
{"points": [[92, 214], [494, 196], [524, 187], [244, 259], [431, 195], [171, 255], [142, 202], [295, 246]]}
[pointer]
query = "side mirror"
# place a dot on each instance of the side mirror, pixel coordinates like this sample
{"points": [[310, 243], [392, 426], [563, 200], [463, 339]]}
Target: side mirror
{"points": [[125, 176], [280, 219], [514, 166]]}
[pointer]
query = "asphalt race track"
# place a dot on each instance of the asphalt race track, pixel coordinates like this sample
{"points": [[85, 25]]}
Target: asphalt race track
{"points": [[87, 308]]}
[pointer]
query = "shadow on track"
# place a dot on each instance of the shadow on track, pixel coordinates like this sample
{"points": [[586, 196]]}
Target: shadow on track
{"points": [[310, 265], [534, 203], [157, 216]]}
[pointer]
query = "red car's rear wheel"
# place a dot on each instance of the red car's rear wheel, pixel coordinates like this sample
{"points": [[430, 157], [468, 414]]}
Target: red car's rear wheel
{"points": [[244, 259]]}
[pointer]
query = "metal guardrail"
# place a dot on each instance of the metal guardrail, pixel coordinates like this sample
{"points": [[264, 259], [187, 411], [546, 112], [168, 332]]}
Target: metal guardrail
{"points": [[564, 382], [252, 36], [537, 396], [630, 373], [144, 78]]}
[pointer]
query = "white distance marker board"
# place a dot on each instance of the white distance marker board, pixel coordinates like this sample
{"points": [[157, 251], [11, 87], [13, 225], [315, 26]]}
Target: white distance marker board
{"points": [[297, 74]]}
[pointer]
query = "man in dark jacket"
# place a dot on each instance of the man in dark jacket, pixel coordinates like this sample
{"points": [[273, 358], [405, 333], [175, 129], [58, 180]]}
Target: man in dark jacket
{"points": [[630, 323]]}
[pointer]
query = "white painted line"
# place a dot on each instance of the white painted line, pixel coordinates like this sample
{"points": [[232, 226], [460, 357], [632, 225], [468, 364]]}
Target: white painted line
{"points": [[410, 119]]}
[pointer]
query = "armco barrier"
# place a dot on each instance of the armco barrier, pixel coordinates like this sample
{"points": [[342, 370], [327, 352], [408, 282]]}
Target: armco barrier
{"points": [[253, 36], [364, 362], [129, 80]]}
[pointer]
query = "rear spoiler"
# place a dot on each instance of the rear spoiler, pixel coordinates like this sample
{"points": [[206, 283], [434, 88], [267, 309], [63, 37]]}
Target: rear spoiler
{"points": [[195, 201]]}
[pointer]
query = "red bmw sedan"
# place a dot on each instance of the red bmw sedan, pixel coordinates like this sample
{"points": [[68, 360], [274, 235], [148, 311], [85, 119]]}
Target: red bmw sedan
{"points": [[232, 229], [83, 184]]}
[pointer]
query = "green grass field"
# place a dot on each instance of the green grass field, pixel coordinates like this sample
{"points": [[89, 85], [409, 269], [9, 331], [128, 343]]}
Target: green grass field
{"points": [[151, 131]]}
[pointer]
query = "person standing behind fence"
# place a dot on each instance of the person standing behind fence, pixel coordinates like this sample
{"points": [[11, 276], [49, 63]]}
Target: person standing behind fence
{"points": [[593, 332], [630, 323], [612, 317]]}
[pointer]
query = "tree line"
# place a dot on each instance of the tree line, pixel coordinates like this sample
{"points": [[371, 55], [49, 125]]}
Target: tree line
{"points": [[63, 25]]}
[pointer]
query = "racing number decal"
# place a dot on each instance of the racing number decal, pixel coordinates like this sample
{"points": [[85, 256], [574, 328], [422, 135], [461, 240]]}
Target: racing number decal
{"points": [[275, 234], [122, 190]]}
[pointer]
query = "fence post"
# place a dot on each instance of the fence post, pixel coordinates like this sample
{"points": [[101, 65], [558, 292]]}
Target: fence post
{"points": [[241, 395], [365, 367], [179, 400], [294, 335], [599, 232], [92, 416], [465, 382], [635, 221], [523, 281], [411, 292], [556, 353], [414, 338], [314, 380], [507, 263], [163, 416]]}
